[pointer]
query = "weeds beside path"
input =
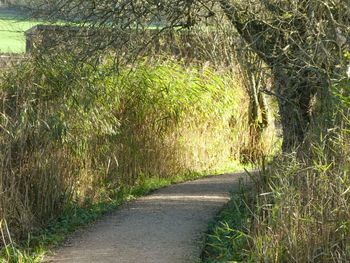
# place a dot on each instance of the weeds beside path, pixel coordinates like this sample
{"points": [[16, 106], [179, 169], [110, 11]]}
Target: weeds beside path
{"points": [[167, 226]]}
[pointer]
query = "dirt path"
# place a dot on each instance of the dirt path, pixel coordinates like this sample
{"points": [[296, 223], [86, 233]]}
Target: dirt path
{"points": [[166, 227]]}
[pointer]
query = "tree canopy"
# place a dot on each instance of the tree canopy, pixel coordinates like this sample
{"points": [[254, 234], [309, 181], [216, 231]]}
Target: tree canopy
{"points": [[301, 41]]}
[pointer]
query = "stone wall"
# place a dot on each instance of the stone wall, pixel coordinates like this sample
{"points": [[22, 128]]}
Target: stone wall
{"points": [[201, 45]]}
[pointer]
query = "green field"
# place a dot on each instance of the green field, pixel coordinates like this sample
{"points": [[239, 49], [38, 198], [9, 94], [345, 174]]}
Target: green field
{"points": [[12, 28]]}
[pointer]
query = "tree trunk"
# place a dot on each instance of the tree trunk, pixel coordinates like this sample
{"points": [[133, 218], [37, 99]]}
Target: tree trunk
{"points": [[295, 81], [294, 94], [264, 110]]}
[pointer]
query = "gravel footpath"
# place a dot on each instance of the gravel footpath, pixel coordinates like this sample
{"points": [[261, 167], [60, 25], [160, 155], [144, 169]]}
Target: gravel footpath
{"points": [[167, 226]]}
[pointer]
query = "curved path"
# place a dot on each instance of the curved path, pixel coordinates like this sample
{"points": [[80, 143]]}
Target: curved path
{"points": [[167, 226]]}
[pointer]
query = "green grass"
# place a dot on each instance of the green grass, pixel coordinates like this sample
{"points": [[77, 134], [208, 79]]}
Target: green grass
{"points": [[12, 32], [12, 28], [227, 236], [76, 216], [12, 42]]}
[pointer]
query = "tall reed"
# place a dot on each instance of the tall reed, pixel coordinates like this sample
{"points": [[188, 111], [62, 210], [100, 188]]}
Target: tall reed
{"points": [[301, 212], [71, 132]]}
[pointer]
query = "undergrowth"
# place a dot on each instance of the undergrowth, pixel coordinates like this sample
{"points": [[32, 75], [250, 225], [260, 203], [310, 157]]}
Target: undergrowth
{"points": [[73, 134], [227, 233], [299, 210]]}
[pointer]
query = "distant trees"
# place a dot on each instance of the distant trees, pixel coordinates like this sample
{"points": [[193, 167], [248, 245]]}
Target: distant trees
{"points": [[301, 41]]}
